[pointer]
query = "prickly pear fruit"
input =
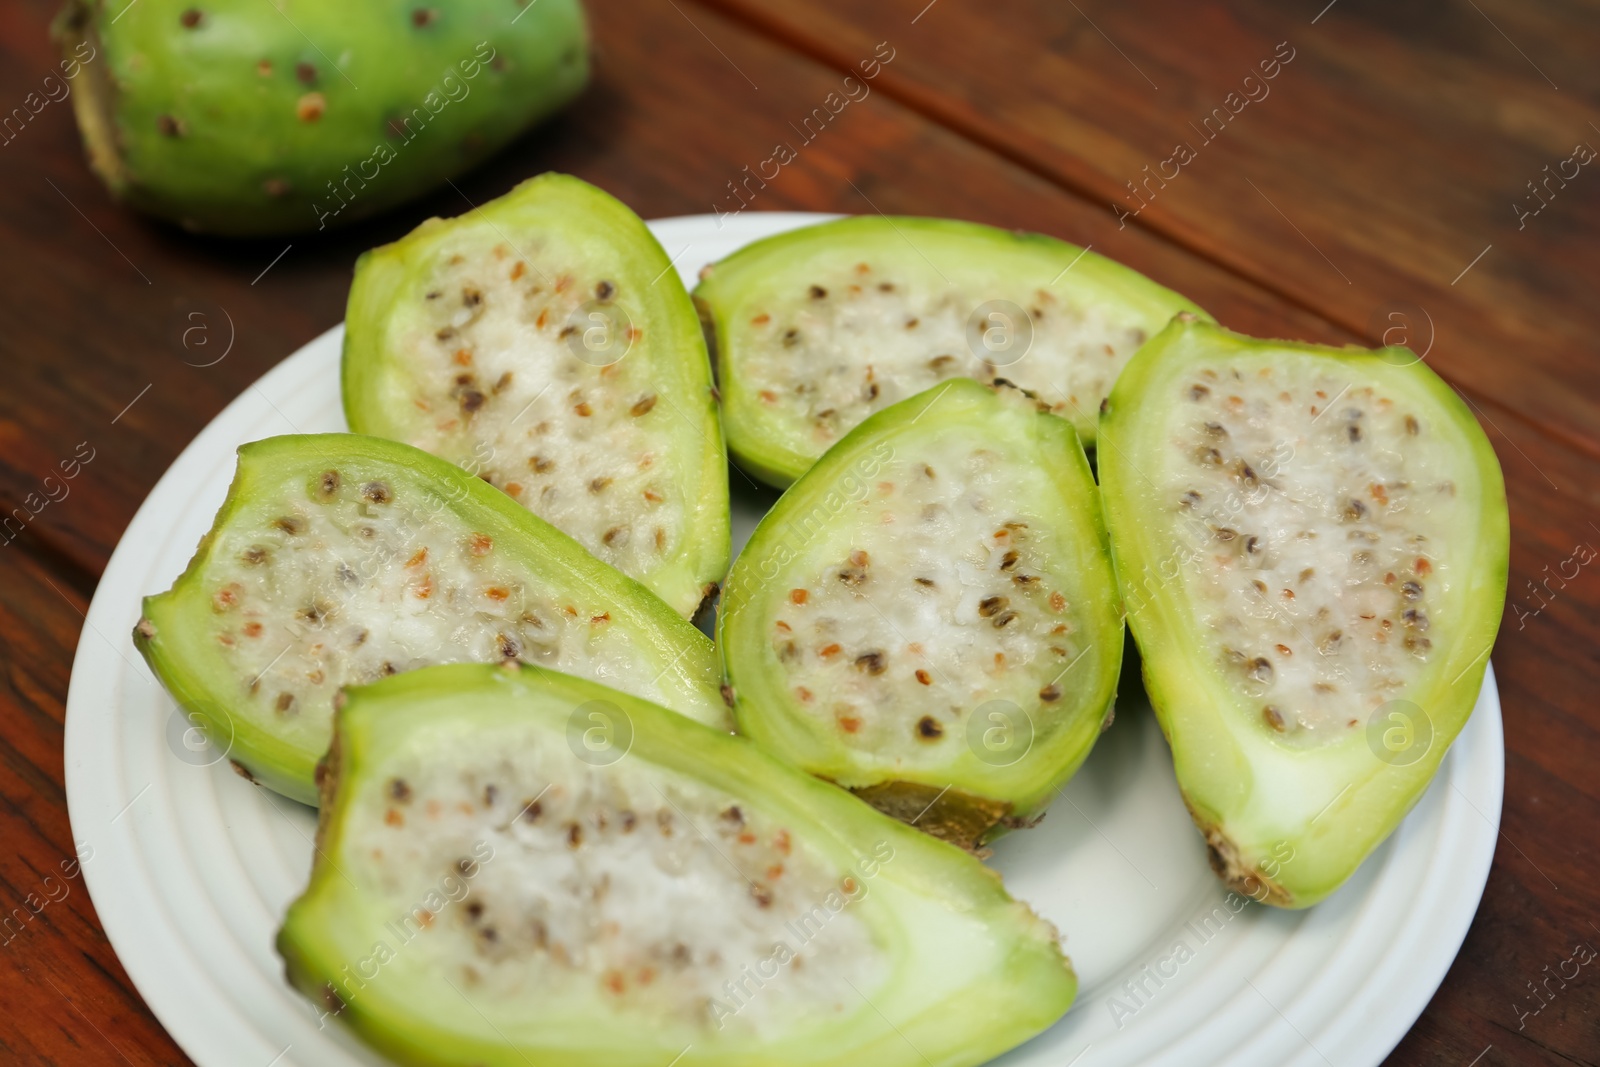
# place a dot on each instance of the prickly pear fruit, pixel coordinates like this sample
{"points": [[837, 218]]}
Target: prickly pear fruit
{"points": [[275, 117], [491, 888], [338, 558], [545, 342], [817, 328], [1312, 546], [928, 616]]}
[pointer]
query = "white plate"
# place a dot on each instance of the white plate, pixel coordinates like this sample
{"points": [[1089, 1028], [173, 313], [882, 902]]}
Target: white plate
{"points": [[192, 867]]}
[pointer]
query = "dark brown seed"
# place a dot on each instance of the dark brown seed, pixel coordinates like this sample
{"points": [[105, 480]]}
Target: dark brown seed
{"points": [[1246, 473], [991, 606], [604, 291], [503, 381], [168, 126], [400, 789], [598, 485], [733, 815], [928, 728], [474, 910], [388, 669], [643, 406], [306, 73], [871, 391], [328, 485], [471, 297], [255, 555], [1411, 590], [852, 575], [1354, 431], [541, 465], [1198, 392], [762, 895], [1411, 425], [1024, 580], [1415, 618], [490, 792], [423, 16], [911, 324], [791, 338], [509, 648], [871, 662], [1004, 619], [1224, 533], [924, 581], [938, 363], [471, 400], [531, 810], [1190, 499], [628, 819], [1331, 641], [1354, 510], [1216, 429], [885, 287], [290, 524], [1008, 561], [1050, 693], [574, 835], [1260, 669], [818, 292], [1252, 544], [189, 19], [285, 703], [376, 493], [1274, 717], [616, 537], [1207, 456]]}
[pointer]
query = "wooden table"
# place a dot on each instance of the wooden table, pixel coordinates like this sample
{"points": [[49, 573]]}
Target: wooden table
{"points": [[1376, 187]]}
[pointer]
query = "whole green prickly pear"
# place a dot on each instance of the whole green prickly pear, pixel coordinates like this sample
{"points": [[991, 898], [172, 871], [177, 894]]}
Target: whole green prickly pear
{"points": [[251, 117]]}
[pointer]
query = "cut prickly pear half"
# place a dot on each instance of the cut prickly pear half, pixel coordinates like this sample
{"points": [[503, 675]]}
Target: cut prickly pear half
{"points": [[545, 343], [929, 616], [818, 328], [338, 559], [1312, 544], [520, 867], [226, 118]]}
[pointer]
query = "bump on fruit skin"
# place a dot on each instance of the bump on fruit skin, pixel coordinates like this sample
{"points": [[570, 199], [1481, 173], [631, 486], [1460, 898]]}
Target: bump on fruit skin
{"points": [[223, 119]]}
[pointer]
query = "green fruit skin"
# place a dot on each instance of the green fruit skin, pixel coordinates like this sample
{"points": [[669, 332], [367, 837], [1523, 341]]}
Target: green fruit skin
{"points": [[210, 125], [765, 709], [730, 286], [939, 1009], [177, 643], [1293, 843], [375, 378]]}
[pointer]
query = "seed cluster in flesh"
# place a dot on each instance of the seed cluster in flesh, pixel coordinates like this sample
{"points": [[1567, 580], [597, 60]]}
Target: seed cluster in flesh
{"points": [[352, 579], [518, 372], [626, 884], [938, 594], [859, 338], [1310, 517]]}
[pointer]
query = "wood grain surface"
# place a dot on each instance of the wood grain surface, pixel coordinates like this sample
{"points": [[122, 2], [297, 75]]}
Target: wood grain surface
{"points": [[1351, 200]]}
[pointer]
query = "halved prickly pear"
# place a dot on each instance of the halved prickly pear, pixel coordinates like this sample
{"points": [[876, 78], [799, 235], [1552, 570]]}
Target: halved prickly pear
{"points": [[249, 119], [519, 867], [929, 617], [544, 342], [818, 328], [338, 559], [1312, 544]]}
